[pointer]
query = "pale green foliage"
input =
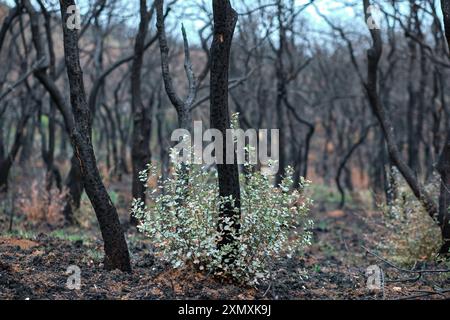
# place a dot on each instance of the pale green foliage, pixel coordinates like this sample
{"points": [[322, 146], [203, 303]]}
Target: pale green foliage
{"points": [[182, 216], [412, 235]]}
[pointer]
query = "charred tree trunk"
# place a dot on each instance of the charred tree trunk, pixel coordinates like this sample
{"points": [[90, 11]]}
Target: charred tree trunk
{"points": [[281, 92], [140, 149], [413, 144], [444, 197], [123, 133], [344, 161], [75, 188], [371, 87], [182, 106], [444, 160], [225, 19], [7, 162], [48, 148], [114, 148], [78, 124], [310, 133], [163, 154], [27, 143], [116, 250]]}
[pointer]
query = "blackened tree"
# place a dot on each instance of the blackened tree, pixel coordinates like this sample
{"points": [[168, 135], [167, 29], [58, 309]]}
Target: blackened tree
{"points": [[225, 19], [78, 123]]}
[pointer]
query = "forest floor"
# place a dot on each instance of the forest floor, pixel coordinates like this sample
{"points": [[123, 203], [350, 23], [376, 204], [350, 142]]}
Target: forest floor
{"points": [[33, 265]]}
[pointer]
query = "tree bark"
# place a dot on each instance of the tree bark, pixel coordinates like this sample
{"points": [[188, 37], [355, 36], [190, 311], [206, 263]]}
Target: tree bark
{"points": [[281, 92], [7, 162], [48, 149], [371, 87], [182, 106], [344, 161], [443, 166], [116, 250], [75, 188], [225, 19], [77, 120], [142, 120]]}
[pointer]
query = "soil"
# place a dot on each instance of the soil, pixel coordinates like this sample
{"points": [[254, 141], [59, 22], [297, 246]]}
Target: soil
{"points": [[334, 267]]}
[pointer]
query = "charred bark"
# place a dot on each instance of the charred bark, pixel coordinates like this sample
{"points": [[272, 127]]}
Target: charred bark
{"points": [[225, 19], [371, 87], [142, 120], [182, 106], [7, 162], [78, 124], [116, 250], [443, 166]]}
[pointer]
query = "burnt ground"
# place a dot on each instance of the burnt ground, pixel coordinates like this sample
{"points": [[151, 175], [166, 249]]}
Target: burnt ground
{"points": [[33, 265], [34, 258]]}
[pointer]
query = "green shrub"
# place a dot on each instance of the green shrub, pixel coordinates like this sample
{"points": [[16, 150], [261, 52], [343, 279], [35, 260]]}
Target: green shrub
{"points": [[411, 234], [181, 221]]}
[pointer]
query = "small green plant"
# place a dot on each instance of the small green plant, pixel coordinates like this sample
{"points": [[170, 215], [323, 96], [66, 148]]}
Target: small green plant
{"points": [[21, 234], [411, 234], [95, 255], [181, 221], [317, 268], [327, 194], [68, 236]]}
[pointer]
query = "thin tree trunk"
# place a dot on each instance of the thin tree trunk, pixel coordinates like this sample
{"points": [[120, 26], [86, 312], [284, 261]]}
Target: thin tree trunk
{"points": [[116, 251], [344, 161], [140, 149], [7, 162], [281, 93], [78, 123], [371, 86]]}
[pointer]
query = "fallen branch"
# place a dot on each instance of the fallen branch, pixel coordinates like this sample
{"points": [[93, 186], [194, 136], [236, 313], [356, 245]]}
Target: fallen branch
{"points": [[425, 293], [419, 272]]}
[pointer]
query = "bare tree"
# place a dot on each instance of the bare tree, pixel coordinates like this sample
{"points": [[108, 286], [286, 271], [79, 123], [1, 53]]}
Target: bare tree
{"points": [[183, 107], [78, 124], [142, 113], [371, 87]]}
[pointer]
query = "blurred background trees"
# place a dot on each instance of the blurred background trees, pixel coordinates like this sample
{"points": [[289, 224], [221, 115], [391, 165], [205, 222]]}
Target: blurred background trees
{"points": [[300, 66]]}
